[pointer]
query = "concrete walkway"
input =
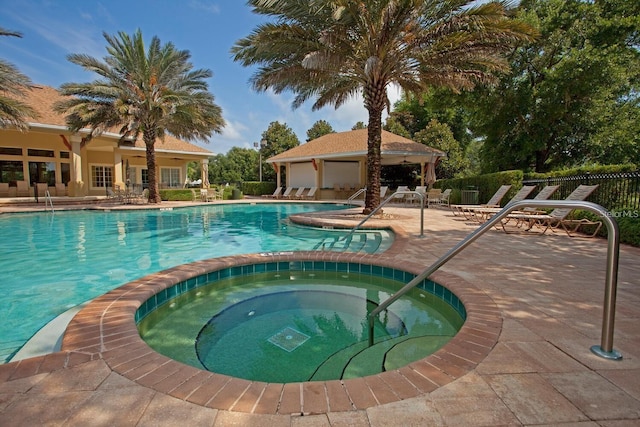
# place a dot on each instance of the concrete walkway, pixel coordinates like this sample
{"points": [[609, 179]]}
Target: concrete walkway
{"points": [[549, 292]]}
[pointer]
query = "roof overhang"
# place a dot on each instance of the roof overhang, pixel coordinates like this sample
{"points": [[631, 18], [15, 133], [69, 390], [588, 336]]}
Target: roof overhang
{"points": [[387, 157]]}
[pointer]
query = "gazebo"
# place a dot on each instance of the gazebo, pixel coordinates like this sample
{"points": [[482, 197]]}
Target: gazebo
{"points": [[340, 158]]}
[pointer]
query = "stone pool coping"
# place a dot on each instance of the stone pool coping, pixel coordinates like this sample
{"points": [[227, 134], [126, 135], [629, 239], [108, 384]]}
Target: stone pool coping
{"points": [[106, 329]]}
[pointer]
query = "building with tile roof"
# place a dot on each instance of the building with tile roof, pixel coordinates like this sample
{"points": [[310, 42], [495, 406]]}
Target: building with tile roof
{"points": [[49, 153], [339, 159]]}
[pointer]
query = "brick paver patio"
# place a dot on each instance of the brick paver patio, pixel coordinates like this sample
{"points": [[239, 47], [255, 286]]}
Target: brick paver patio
{"points": [[544, 294]]}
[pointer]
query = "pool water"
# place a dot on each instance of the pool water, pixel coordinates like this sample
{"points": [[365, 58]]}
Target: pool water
{"points": [[50, 263], [299, 326]]}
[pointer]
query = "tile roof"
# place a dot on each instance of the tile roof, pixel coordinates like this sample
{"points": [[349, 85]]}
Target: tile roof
{"points": [[42, 99], [354, 143]]}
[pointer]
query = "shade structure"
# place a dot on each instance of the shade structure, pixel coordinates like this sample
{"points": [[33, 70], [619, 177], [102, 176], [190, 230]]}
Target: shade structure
{"points": [[430, 174]]}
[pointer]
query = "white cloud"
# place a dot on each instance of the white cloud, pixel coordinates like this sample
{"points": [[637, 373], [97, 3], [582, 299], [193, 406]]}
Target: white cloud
{"points": [[205, 6], [233, 131]]}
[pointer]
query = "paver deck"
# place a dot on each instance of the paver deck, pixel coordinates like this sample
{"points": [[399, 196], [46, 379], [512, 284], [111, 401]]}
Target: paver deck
{"points": [[523, 357]]}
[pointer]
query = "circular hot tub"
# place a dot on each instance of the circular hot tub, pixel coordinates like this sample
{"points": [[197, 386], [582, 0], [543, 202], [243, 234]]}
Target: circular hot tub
{"points": [[296, 321]]}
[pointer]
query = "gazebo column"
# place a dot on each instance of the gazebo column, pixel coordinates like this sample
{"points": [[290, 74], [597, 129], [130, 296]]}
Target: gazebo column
{"points": [[77, 185], [205, 174], [422, 169], [276, 168], [117, 166]]}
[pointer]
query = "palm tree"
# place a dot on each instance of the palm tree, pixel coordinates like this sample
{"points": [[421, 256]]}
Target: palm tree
{"points": [[13, 85], [332, 50], [152, 93]]}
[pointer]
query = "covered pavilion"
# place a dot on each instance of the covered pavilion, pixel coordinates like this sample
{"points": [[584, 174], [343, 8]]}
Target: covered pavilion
{"points": [[340, 159]]}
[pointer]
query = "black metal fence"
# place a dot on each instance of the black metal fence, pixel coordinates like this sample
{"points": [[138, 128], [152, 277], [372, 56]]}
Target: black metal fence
{"points": [[616, 191]]}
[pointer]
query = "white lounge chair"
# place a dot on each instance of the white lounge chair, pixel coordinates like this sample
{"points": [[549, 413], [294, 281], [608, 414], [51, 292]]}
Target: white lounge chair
{"points": [[494, 202], [299, 192], [311, 195], [558, 217], [287, 193], [275, 195]]}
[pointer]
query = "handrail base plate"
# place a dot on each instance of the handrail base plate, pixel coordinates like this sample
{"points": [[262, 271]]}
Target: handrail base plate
{"points": [[610, 355]]}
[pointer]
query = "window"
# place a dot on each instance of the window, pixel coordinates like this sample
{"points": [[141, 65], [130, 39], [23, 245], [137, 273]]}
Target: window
{"points": [[101, 176], [42, 172], [10, 151], [145, 178], [40, 153], [65, 155], [11, 171], [170, 177], [65, 169]]}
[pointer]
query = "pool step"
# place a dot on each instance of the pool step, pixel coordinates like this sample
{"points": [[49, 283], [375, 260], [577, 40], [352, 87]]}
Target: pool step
{"points": [[368, 242], [361, 360]]}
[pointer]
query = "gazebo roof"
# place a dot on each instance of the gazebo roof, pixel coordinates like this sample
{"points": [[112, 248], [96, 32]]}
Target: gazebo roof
{"points": [[395, 149]]}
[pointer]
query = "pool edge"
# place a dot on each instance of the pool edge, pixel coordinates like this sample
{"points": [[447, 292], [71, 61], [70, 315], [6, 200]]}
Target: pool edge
{"points": [[106, 329]]}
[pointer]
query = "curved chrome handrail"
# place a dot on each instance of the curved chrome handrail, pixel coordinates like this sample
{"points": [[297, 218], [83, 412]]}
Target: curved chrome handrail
{"points": [[605, 349]]}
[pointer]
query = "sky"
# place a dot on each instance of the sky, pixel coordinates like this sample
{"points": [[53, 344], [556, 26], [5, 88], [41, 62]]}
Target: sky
{"points": [[53, 29]]}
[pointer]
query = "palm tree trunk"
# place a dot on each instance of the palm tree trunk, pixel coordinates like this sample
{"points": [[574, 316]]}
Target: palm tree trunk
{"points": [[149, 137], [375, 101]]}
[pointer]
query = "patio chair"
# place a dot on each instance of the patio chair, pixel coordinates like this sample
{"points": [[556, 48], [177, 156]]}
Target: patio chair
{"points": [[400, 197], [494, 202], [42, 188], [544, 194], [141, 198], [298, 194], [433, 196], [61, 189], [275, 195], [311, 195], [414, 198], [481, 214], [558, 217], [348, 190], [114, 196], [383, 191], [444, 198], [4, 189], [22, 189], [287, 193]]}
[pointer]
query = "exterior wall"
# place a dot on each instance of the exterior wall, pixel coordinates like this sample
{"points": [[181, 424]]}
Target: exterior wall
{"points": [[67, 162], [302, 175], [52, 166], [341, 172]]}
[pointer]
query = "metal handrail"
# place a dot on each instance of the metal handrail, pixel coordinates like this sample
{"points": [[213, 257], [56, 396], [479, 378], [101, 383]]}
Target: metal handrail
{"points": [[356, 194], [47, 199], [387, 200], [605, 349]]}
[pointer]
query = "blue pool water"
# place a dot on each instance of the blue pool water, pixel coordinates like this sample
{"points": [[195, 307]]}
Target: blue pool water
{"points": [[50, 263]]}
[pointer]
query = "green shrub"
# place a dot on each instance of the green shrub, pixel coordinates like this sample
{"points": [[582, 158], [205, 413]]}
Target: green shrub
{"points": [[486, 185], [628, 223], [582, 171], [181, 194], [256, 188]]}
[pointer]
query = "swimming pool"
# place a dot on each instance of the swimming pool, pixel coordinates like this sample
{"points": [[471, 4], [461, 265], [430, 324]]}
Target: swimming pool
{"points": [[51, 263], [280, 322]]}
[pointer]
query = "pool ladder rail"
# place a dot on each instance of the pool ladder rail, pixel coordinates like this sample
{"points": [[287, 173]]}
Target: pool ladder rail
{"points": [[605, 349], [48, 201]]}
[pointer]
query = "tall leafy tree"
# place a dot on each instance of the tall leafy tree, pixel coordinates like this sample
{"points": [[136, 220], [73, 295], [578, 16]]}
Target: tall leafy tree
{"points": [[239, 164], [13, 86], [152, 92], [278, 138], [332, 50], [319, 128], [572, 97]]}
